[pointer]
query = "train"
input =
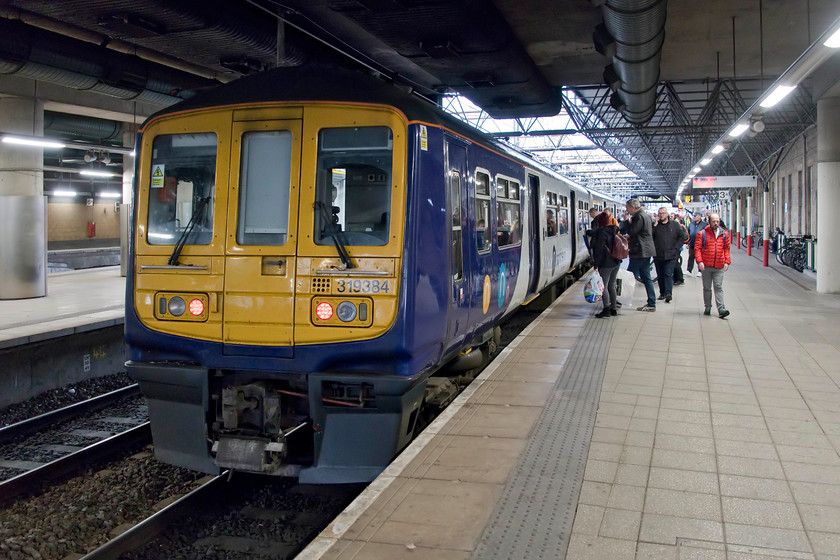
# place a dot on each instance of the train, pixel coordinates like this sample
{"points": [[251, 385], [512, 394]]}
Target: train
{"points": [[317, 257]]}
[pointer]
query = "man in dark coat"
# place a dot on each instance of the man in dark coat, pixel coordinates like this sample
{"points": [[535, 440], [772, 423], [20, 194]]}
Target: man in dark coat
{"points": [[641, 249], [668, 238], [698, 225]]}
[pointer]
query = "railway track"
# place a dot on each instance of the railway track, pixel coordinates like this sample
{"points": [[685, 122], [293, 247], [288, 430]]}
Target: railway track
{"points": [[42, 449]]}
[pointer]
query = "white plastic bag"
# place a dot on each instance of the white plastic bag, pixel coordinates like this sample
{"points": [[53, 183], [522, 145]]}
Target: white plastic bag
{"points": [[593, 289], [625, 284]]}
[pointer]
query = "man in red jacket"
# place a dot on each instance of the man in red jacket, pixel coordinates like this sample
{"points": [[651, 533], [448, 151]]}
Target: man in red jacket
{"points": [[711, 251]]}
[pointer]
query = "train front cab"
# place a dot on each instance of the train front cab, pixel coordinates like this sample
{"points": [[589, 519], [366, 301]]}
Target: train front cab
{"points": [[239, 288]]}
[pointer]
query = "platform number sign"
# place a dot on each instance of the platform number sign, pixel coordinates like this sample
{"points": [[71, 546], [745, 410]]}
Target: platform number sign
{"points": [[157, 176]]}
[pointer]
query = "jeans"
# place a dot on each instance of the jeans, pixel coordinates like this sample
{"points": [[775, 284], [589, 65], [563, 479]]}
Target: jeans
{"points": [[640, 267], [609, 276], [665, 275], [713, 276]]}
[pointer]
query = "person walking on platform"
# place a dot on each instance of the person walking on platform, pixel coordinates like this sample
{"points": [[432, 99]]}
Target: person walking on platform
{"points": [[641, 249], [679, 278], [711, 251], [668, 237], [603, 237], [697, 225]]}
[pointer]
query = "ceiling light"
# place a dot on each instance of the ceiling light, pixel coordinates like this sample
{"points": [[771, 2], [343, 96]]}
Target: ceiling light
{"points": [[833, 42], [39, 142], [96, 173], [64, 193], [696, 169], [717, 149], [739, 130], [109, 194], [706, 161], [777, 95]]}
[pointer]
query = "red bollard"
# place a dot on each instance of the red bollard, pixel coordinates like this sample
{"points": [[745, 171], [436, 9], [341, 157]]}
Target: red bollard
{"points": [[749, 245], [766, 252], [738, 238]]}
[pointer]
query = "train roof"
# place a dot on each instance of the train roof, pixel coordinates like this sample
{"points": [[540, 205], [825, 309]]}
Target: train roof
{"points": [[331, 83]]}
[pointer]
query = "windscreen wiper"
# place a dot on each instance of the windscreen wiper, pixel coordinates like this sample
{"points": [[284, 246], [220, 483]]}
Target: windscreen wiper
{"points": [[198, 214], [332, 229]]}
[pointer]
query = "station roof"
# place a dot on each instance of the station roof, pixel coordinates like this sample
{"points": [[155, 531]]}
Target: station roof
{"points": [[514, 60]]}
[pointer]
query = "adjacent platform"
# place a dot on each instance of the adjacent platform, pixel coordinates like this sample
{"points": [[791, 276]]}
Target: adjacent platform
{"points": [[76, 301], [667, 435]]}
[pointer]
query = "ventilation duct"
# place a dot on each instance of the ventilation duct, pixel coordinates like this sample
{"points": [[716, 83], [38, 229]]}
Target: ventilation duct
{"points": [[65, 125], [47, 57], [635, 33]]}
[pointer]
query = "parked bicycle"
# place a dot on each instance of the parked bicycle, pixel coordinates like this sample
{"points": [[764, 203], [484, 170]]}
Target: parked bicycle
{"points": [[794, 252]]}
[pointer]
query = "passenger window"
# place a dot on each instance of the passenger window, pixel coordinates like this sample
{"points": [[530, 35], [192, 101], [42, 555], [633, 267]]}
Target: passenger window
{"points": [[562, 214], [354, 185], [551, 218], [264, 187], [482, 206], [183, 177], [508, 224], [456, 238]]}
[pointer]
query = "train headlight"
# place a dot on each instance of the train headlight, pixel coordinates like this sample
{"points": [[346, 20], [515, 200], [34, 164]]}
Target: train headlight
{"points": [[346, 311], [324, 311], [196, 307], [177, 306]]}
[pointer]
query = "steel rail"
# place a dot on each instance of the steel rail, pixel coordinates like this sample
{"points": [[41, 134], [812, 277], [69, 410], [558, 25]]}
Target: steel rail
{"points": [[32, 480], [150, 527], [38, 423]]}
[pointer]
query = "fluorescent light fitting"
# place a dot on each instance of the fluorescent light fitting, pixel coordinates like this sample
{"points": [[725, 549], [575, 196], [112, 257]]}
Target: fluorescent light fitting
{"points": [[109, 194], [777, 95], [833, 42], [696, 169], [96, 173], [718, 149], [32, 142], [64, 193], [706, 161], [161, 235], [739, 130]]}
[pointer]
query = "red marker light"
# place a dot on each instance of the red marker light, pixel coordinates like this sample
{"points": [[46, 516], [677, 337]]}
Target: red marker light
{"points": [[196, 307], [324, 311]]}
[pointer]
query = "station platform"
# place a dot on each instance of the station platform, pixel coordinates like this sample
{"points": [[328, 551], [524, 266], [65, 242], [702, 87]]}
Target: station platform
{"points": [[76, 301], [667, 435]]}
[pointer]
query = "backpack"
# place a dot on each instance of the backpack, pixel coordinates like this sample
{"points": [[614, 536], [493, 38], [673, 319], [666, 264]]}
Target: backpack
{"points": [[620, 247]]}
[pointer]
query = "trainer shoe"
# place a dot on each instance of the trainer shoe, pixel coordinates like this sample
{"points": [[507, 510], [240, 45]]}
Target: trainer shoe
{"points": [[668, 298], [650, 308], [661, 297], [707, 311], [613, 312], [724, 312], [679, 283]]}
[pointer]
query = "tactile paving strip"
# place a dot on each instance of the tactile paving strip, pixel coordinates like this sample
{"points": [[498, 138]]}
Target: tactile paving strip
{"points": [[533, 520]]}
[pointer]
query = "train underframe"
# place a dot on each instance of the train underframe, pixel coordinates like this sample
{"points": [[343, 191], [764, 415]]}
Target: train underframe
{"points": [[322, 428]]}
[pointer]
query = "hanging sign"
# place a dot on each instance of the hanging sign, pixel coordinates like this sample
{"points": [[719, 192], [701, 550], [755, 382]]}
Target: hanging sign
{"points": [[724, 182]]}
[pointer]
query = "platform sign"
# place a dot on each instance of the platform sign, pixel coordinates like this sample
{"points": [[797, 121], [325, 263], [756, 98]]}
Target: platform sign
{"points": [[724, 182], [157, 176]]}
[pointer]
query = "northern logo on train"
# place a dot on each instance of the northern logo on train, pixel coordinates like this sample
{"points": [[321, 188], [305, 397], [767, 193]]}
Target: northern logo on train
{"points": [[502, 284], [485, 296]]}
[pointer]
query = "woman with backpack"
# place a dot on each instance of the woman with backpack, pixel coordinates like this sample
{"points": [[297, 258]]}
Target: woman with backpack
{"points": [[603, 238]]}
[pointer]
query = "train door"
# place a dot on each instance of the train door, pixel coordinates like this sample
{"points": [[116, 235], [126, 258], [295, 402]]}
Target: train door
{"points": [[535, 235], [455, 152], [574, 226], [258, 307]]}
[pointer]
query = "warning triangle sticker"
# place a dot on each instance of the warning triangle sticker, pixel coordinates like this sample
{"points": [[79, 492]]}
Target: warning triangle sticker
{"points": [[158, 172]]}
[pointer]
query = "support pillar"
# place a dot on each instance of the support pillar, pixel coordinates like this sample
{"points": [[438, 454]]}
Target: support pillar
{"points": [[23, 207], [748, 228], [766, 228], [828, 194]]}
